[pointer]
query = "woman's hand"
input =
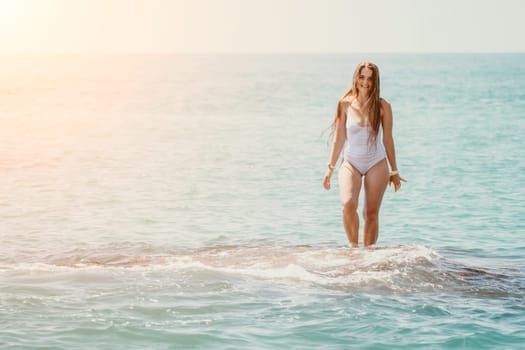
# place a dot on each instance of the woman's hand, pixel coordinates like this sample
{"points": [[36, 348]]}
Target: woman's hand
{"points": [[396, 180], [327, 176]]}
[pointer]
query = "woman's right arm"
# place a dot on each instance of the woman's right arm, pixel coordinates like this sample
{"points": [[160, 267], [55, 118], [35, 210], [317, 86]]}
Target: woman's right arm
{"points": [[338, 143]]}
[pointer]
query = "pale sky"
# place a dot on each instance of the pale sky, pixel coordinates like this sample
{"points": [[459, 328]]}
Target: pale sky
{"points": [[261, 26]]}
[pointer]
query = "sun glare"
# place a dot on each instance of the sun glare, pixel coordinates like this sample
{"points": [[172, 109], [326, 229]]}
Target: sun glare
{"points": [[12, 13]]}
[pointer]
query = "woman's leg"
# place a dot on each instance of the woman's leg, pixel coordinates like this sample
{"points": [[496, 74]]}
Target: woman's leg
{"points": [[376, 180], [349, 187]]}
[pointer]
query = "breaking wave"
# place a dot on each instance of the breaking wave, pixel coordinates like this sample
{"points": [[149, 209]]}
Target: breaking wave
{"points": [[403, 268]]}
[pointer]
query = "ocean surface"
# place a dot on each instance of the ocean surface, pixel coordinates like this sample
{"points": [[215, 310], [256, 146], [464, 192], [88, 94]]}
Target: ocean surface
{"points": [[176, 202]]}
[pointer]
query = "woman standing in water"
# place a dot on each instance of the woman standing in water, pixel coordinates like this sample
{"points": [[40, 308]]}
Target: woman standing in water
{"points": [[363, 126]]}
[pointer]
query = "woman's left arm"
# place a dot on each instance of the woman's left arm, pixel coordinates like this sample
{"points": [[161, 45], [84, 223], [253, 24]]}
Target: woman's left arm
{"points": [[388, 141]]}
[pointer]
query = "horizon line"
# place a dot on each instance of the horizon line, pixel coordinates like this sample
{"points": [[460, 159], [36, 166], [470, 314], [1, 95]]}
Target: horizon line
{"points": [[255, 52]]}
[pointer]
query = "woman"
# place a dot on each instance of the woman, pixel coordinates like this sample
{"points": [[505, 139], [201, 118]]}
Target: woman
{"points": [[363, 125]]}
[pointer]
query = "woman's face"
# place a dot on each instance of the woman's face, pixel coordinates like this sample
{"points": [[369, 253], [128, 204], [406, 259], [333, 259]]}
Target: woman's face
{"points": [[364, 81]]}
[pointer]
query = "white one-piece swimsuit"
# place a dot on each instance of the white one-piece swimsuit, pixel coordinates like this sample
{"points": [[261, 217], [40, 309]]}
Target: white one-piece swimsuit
{"points": [[358, 150]]}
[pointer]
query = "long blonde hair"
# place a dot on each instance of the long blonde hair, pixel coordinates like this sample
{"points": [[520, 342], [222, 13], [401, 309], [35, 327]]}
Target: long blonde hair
{"points": [[373, 103]]}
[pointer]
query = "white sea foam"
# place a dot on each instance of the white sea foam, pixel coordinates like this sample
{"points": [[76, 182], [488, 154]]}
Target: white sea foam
{"points": [[403, 268], [397, 267]]}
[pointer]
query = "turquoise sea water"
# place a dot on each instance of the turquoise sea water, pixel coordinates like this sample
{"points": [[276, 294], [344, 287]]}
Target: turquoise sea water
{"points": [[175, 202]]}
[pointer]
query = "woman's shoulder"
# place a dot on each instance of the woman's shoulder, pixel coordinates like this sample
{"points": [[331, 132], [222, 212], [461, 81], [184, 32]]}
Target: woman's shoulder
{"points": [[384, 103], [346, 101], [342, 107], [385, 106]]}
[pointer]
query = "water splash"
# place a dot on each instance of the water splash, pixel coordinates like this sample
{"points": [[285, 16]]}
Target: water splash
{"points": [[403, 268]]}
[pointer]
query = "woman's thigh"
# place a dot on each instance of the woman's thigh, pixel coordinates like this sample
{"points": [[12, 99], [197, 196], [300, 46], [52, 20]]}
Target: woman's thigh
{"points": [[349, 184], [376, 180]]}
